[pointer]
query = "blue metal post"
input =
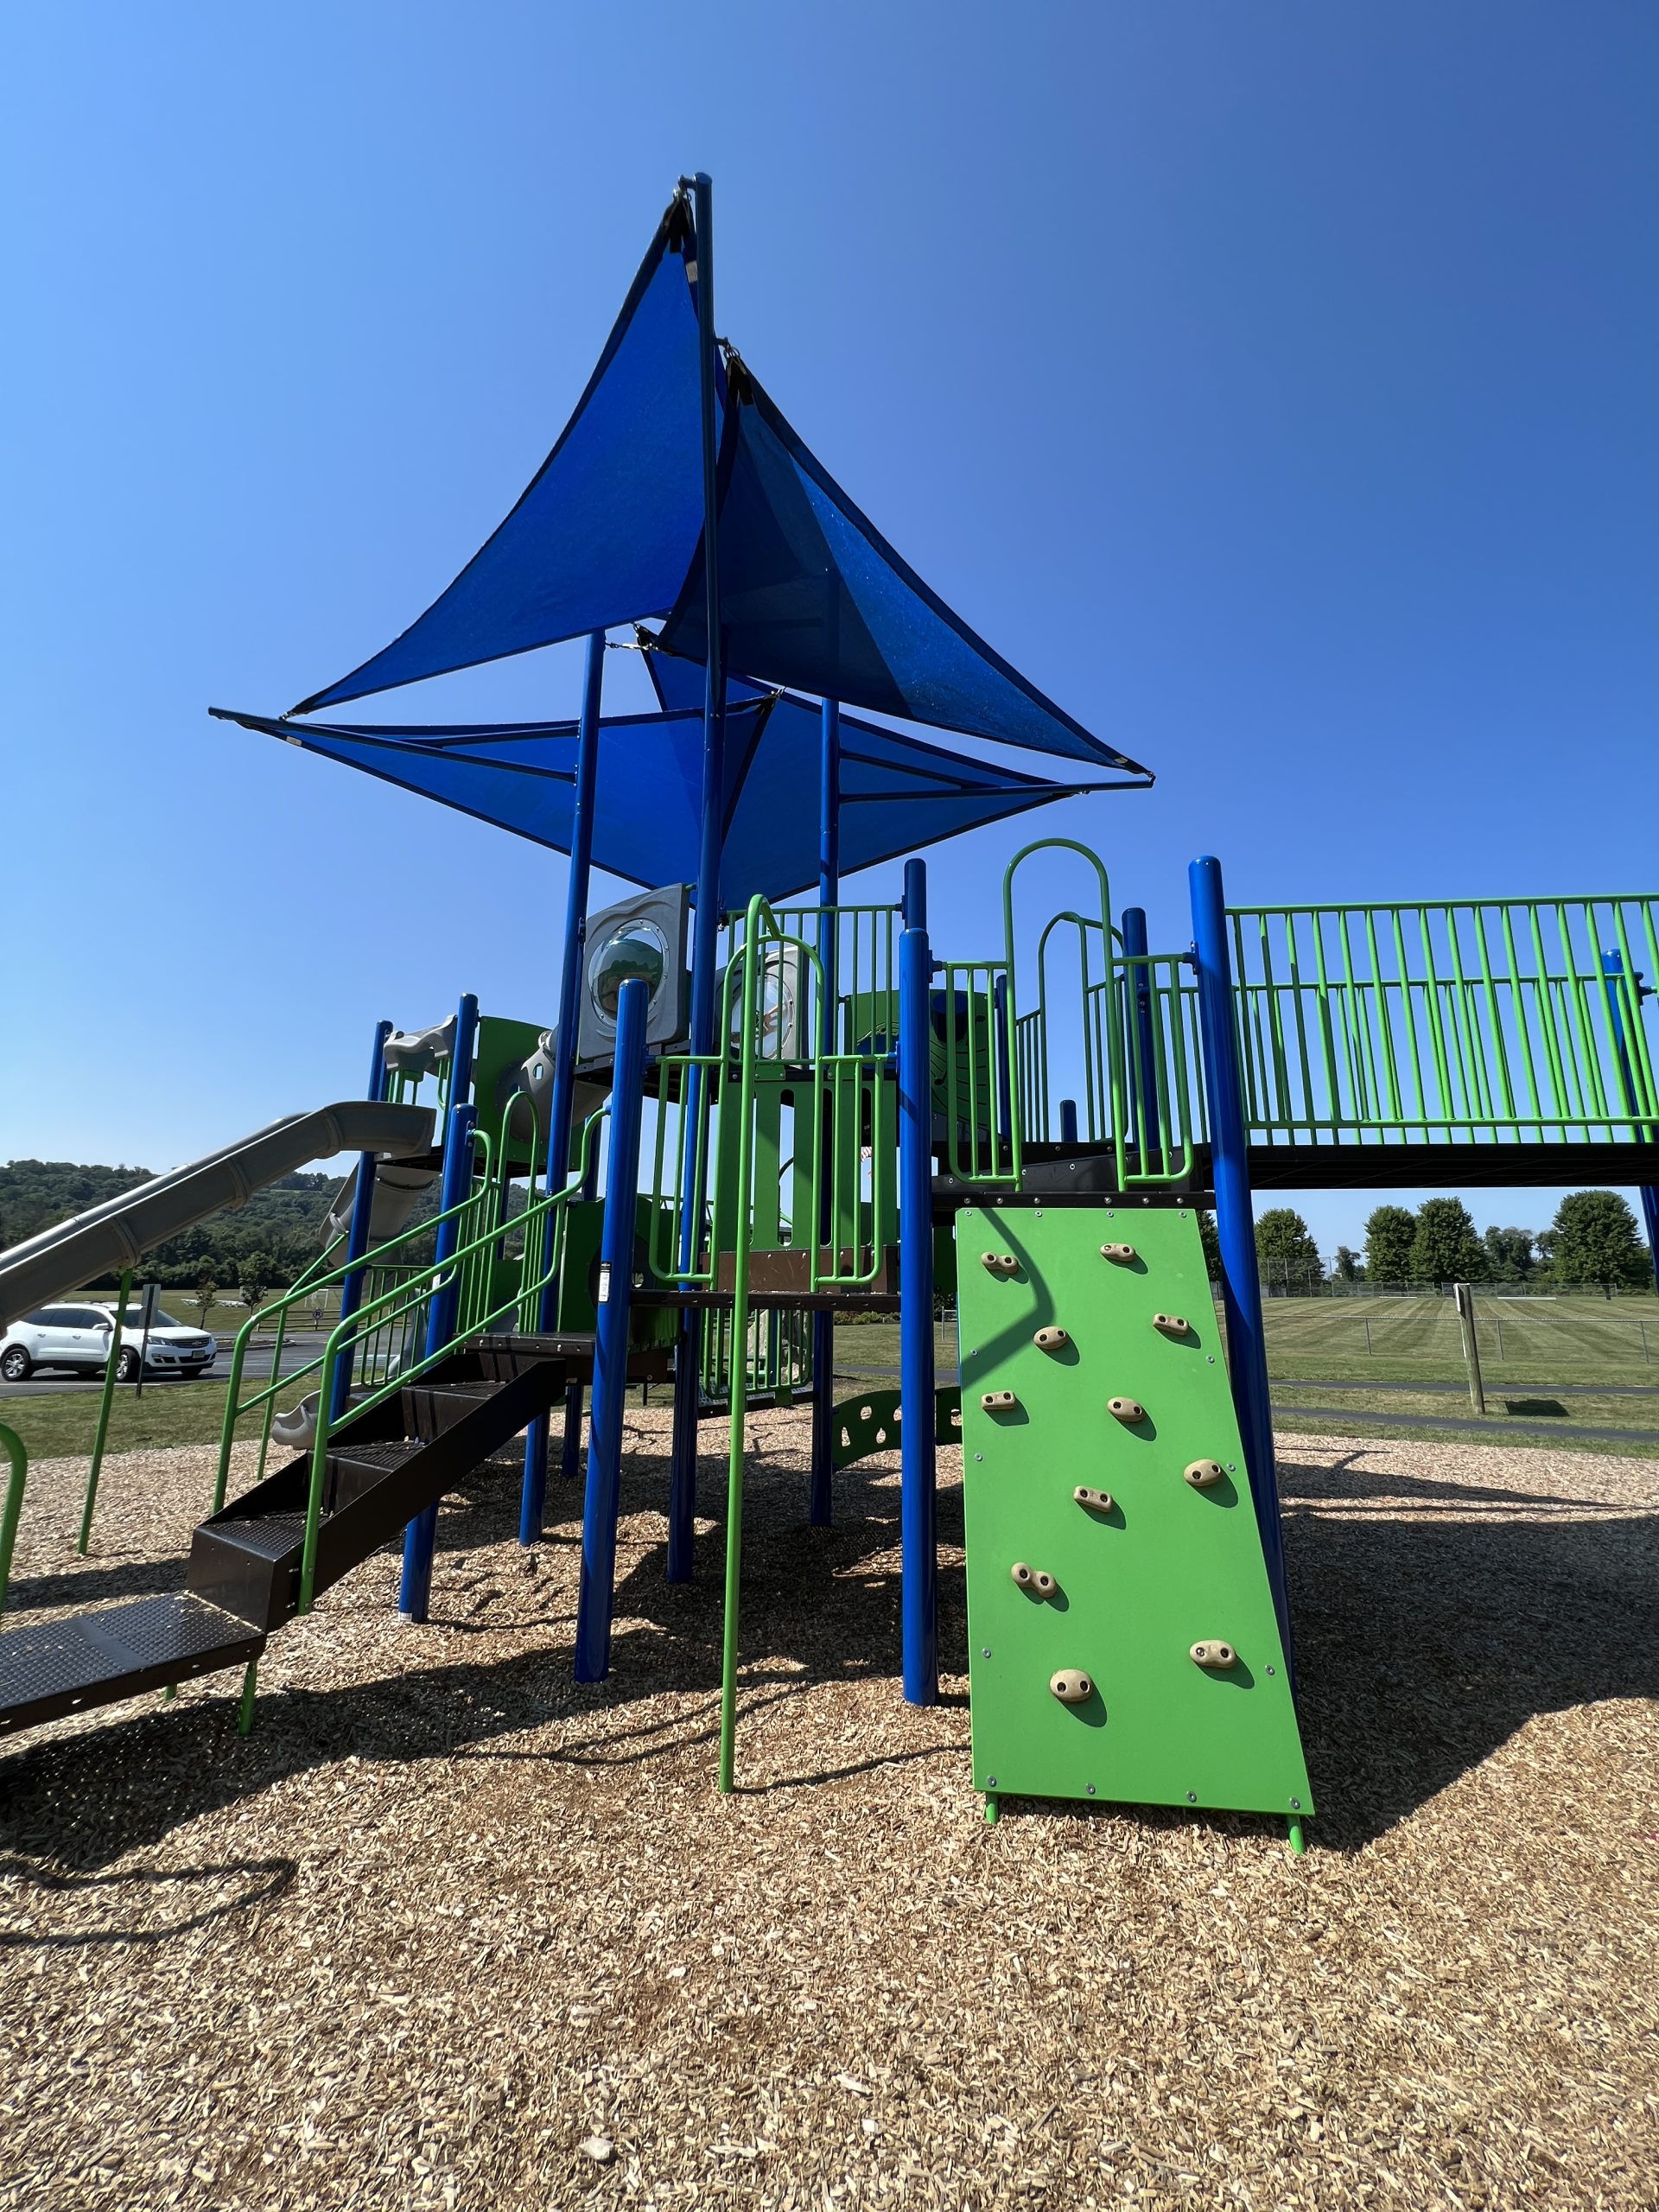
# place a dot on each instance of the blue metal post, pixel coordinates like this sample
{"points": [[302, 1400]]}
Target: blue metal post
{"points": [[533, 1494], [1612, 966], [682, 1477], [421, 1536], [1241, 1287], [603, 1496], [1069, 1121], [357, 1234], [820, 1493], [917, 1501], [1141, 1069]]}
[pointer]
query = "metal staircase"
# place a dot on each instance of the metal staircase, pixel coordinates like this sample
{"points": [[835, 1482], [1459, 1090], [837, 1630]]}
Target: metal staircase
{"points": [[385, 1465]]}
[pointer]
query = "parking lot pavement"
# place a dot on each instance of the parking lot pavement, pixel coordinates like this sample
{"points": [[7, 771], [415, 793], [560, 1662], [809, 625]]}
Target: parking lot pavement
{"points": [[256, 1368]]}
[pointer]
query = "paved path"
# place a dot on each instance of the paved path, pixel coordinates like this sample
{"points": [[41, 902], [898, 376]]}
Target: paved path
{"points": [[297, 1351], [1493, 1389], [1492, 1428]]}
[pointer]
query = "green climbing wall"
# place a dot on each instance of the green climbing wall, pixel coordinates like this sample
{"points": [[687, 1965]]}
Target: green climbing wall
{"points": [[1114, 1593]]}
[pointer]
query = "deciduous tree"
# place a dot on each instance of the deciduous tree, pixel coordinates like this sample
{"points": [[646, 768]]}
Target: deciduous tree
{"points": [[1388, 1232], [1444, 1247], [1596, 1240]]}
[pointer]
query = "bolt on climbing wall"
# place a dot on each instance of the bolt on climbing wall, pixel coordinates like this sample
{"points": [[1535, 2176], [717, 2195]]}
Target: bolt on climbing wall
{"points": [[1123, 1643]]}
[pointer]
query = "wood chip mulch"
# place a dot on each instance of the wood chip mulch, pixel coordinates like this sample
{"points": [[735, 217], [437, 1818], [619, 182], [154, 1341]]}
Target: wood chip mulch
{"points": [[448, 1931]]}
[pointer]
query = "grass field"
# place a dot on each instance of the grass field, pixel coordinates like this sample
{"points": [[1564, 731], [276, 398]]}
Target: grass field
{"points": [[1549, 1346], [225, 1317], [1531, 1349]]}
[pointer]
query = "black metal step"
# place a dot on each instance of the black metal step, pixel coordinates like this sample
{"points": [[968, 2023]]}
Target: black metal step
{"points": [[355, 1470], [502, 1357], [249, 1565], [431, 1408], [97, 1658]]}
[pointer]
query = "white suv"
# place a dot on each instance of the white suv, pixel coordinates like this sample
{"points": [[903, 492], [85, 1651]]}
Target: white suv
{"points": [[78, 1338]]}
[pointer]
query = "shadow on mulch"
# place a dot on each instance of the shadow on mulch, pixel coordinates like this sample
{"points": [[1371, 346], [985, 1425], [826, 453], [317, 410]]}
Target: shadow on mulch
{"points": [[819, 1604], [1421, 1646]]}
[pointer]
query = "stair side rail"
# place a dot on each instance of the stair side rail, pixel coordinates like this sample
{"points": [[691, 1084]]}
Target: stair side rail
{"points": [[398, 1252], [468, 1276]]}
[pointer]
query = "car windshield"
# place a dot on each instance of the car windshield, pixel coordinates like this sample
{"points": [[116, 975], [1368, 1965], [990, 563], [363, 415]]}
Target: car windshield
{"points": [[134, 1320]]}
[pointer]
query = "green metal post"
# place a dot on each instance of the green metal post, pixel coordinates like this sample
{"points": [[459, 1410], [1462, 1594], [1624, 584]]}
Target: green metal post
{"points": [[12, 1445], [110, 1365], [740, 1370]]}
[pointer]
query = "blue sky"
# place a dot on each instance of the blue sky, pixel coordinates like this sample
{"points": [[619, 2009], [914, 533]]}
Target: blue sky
{"points": [[1274, 383]]}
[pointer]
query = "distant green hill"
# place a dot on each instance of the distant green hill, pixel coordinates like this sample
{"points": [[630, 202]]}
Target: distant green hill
{"points": [[281, 1224]]}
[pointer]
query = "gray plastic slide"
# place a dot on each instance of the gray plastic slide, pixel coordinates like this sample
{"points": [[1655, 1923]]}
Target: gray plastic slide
{"points": [[118, 1233]]}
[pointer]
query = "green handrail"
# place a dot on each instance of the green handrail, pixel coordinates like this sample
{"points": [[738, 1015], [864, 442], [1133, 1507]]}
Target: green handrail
{"points": [[405, 1298], [111, 1368], [1446, 1019], [235, 1406], [17, 1453]]}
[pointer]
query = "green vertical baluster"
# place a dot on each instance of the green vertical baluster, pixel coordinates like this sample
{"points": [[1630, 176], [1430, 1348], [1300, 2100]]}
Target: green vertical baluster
{"points": [[104, 1404], [1525, 1008], [1544, 999], [1436, 1025], [1297, 990], [17, 1475], [1384, 1025], [1500, 1048], [1335, 1103]]}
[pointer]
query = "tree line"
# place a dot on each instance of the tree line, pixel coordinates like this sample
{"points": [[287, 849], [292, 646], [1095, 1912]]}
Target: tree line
{"points": [[262, 1246], [1594, 1242]]}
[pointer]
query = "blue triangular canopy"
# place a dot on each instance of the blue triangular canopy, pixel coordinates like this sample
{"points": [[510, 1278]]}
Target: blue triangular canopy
{"points": [[812, 595], [609, 524], [610, 531], [898, 793]]}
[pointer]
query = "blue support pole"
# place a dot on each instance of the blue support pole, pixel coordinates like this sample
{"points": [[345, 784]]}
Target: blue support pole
{"points": [[1069, 1121], [357, 1234], [820, 1493], [1241, 1286], [705, 941], [421, 1536], [918, 1510], [1141, 1067], [601, 1504], [1612, 965], [533, 1494]]}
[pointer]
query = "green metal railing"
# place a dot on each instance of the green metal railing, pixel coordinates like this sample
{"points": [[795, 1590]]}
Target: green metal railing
{"points": [[1449, 1021], [831, 1110], [398, 1311], [1446, 1020], [1123, 1030]]}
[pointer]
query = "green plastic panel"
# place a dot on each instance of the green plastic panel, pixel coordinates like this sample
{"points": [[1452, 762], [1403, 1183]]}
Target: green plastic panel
{"points": [[1168, 1566], [577, 1309]]}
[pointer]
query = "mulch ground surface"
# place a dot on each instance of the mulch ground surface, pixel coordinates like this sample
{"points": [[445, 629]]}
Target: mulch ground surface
{"points": [[448, 1929]]}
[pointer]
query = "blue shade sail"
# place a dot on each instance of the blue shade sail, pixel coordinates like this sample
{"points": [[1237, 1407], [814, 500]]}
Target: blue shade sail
{"points": [[814, 597], [898, 793], [610, 522]]}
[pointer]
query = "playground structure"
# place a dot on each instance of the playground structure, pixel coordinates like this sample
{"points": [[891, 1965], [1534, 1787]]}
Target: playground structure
{"points": [[687, 1175]]}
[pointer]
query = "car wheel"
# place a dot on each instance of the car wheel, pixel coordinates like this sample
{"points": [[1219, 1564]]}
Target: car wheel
{"points": [[126, 1368], [15, 1365]]}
